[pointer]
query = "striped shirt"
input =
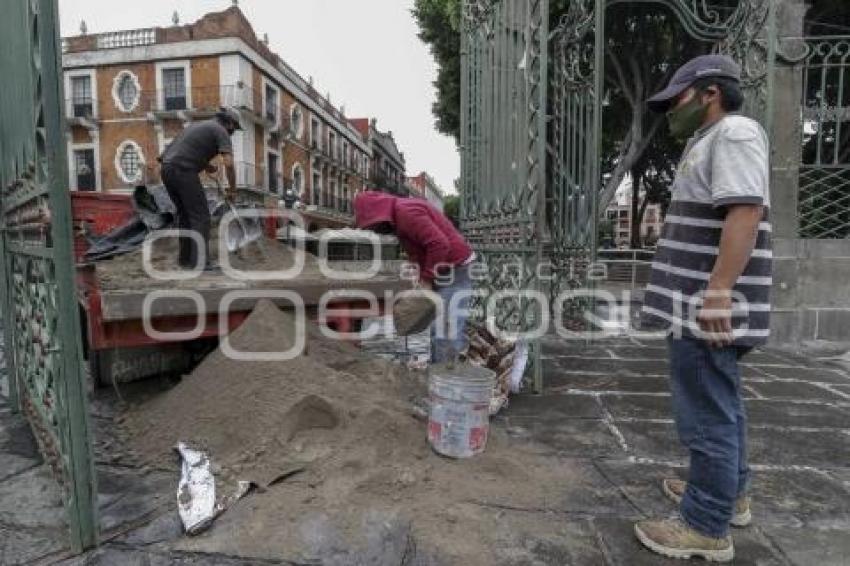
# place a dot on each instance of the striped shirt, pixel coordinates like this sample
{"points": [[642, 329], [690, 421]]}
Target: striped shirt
{"points": [[723, 164]]}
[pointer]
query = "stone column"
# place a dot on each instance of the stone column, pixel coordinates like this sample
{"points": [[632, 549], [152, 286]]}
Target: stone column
{"points": [[786, 144], [787, 120]]}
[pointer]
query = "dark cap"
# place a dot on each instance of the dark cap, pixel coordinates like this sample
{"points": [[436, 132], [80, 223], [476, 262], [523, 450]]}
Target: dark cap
{"points": [[702, 67], [231, 115]]}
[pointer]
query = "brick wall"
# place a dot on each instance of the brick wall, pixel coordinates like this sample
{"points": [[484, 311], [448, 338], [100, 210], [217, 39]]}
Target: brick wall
{"points": [[106, 76], [206, 82], [112, 135], [80, 135]]}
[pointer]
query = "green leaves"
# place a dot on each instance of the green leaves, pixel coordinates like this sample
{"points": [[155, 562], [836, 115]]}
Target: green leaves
{"points": [[439, 28]]}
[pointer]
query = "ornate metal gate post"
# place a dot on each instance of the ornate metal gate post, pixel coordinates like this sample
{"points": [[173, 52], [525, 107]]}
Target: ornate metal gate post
{"points": [[578, 60], [44, 349], [531, 132], [503, 138]]}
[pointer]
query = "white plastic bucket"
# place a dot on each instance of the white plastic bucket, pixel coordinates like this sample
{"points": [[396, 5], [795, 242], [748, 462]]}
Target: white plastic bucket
{"points": [[459, 419]]}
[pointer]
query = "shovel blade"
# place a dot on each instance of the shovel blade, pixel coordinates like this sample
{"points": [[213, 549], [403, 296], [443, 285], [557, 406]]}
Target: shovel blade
{"points": [[244, 230]]}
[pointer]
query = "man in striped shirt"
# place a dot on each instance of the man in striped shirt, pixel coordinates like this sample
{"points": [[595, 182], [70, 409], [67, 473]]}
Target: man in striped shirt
{"points": [[710, 290]]}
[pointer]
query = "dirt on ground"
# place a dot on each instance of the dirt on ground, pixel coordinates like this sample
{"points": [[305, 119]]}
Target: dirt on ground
{"points": [[332, 438]]}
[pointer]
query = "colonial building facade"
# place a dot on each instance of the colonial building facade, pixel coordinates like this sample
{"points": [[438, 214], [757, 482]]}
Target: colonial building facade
{"points": [[387, 171], [619, 213], [129, 93], [424, 186]]}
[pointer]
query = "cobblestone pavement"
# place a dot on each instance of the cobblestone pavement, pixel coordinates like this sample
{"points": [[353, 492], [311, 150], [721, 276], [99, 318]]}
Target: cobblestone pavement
{"points": [[605, 412]]}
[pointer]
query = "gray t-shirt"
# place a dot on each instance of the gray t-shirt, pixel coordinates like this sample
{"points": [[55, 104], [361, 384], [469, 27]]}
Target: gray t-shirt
{"points": [[723, 165], [197, 145]]}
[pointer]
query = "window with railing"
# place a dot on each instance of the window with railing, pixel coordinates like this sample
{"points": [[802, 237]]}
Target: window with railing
{"points": [[271, 104], [296, 122], [84, 170], [344, 201], [274, 172], [297, 179], [174, 89], [317, 190], [81, 97], [315, 136]]}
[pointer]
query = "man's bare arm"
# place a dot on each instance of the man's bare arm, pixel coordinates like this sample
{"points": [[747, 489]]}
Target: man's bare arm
{"points": [[740, 230], [230, 171]]}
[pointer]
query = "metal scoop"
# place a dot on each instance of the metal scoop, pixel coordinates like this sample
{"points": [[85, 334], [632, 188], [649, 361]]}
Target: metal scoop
{"points": [[246, 229]]}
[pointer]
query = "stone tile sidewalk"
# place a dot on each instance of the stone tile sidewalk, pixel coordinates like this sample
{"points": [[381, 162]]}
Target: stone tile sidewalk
{"points": [[605, 413]]}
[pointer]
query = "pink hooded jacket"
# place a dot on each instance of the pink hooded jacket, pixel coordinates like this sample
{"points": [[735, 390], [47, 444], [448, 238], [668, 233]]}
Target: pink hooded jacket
{"points": [[428, 237]]}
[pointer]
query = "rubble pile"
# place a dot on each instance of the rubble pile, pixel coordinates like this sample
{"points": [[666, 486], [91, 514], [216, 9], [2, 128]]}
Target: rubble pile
{"points": [[485, 350]]}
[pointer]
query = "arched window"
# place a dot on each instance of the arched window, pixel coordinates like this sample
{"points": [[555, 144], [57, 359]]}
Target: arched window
{"points": [[130, 162], [126, 91]]}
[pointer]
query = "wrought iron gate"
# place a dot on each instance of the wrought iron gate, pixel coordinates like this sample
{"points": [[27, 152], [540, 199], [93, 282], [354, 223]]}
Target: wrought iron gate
{"points": [[503, 133], [825, 168], [42, 330], [531, 123]]}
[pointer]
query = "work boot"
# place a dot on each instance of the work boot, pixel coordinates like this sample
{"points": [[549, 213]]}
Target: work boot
{"points": [[673, 538], [742, 517]]}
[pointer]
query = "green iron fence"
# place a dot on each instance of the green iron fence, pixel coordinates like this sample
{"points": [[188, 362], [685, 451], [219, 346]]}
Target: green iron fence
{"points": [[531, 124], [504, 53], [825, 170], [43, 342]]}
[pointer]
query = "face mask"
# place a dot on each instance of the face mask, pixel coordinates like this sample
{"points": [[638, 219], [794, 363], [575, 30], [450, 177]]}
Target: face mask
{"points": [[687, 119]]}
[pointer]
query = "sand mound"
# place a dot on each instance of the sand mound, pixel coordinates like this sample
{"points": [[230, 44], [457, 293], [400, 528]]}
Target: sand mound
{"points": [[127, 271], [247, 413], [332, 437]]}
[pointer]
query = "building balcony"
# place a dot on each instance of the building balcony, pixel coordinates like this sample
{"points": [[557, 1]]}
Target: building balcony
{"points": [[191, 104], [320, 152], [81, 111], [110, 40]]}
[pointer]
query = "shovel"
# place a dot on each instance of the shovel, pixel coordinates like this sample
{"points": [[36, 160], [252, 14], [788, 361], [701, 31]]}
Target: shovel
{"points": [[242, 232]]}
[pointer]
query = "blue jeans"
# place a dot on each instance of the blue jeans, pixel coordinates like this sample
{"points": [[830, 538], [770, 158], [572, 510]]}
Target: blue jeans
{"points": [[712, 424], [448, 341]]}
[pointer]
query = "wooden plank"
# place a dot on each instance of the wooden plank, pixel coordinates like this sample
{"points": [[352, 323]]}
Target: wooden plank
{"points": [[129, 305]]}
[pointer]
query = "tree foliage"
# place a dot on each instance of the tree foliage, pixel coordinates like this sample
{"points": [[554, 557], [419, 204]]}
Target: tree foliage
{"points": [[439, 28], [644, 45], [451, 208]]}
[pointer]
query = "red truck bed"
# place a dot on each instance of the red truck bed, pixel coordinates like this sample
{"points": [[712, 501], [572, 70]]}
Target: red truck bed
{"points": [[117, 344]]}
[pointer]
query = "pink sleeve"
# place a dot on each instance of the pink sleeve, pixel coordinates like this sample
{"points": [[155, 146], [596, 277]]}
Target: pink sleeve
{"points": [[416, 225]]}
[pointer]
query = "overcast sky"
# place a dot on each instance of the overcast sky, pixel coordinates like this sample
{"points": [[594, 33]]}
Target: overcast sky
{"points": [[365, 53]]}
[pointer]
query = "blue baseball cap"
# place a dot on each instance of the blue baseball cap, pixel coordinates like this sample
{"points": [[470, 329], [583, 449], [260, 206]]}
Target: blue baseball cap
{"points": [[702, 67]]}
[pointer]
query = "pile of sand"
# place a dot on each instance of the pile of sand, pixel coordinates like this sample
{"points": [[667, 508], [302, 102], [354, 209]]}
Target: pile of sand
{"points": [[127, 270], [333, 437], [251, 415]]}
